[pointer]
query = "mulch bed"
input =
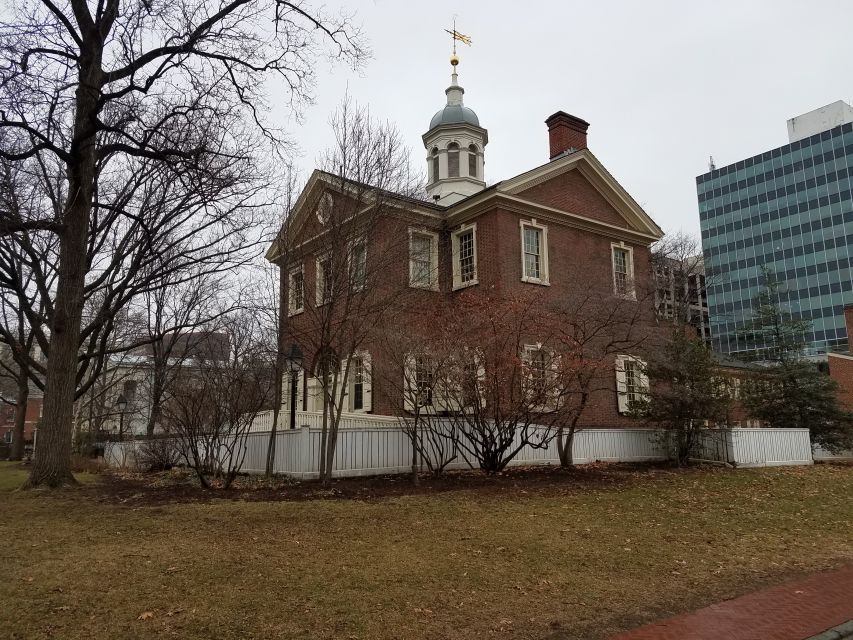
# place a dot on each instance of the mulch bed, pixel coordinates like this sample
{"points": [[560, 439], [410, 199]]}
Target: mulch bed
{"points": [[179, 486]]}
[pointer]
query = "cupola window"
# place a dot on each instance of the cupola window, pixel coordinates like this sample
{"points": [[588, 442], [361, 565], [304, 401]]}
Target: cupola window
{"points": [[453, 160], [434, 164], [472, 161]]}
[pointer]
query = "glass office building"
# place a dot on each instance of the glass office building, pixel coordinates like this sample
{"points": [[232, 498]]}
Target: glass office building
{"points": [[789, 209]]}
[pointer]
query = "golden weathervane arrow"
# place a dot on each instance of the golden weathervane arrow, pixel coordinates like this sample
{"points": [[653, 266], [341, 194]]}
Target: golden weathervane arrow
{"points": [[458, 36]]}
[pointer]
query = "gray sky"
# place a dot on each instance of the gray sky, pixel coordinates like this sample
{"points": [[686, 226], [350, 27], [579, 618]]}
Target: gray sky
{"points": [[663, 83]]}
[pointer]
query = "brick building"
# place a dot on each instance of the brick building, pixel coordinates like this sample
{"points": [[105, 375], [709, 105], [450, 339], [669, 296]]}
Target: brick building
{"points": [[841, 366], [554, 233]]}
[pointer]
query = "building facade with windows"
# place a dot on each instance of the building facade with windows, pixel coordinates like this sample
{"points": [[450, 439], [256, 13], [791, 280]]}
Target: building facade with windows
{"points": [[790, 211], [558, 231]]}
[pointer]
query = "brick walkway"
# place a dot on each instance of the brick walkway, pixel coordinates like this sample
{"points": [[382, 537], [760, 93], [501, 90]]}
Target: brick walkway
{"points": [[792, 611]]}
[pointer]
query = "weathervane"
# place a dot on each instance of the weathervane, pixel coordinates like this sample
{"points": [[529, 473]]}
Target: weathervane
{"points": [[455, 35]]}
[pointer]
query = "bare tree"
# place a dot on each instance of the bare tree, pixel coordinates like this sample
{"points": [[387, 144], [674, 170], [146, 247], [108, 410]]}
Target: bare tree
{"points": [[590, 331], [416, 370], [97, 89], [367, 176], [678, 268], [212, 407]]}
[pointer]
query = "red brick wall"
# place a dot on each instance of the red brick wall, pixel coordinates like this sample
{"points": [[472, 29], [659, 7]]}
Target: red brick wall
{"points": [[578, 262], [841, 370], [573, 193], [33, 415]]}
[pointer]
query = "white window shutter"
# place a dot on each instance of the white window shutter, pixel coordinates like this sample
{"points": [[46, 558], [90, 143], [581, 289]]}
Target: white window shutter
{"points": [[315, 395], [621, 385], [367, 393]]}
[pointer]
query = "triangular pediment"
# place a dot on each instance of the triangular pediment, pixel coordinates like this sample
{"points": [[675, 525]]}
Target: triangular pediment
{"points": [[580, 185], [575, 189]]}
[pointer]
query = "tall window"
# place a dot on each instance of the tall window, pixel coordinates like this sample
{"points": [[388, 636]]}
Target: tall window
{"points": [[472, 161], [296, 303], [536, 366], [632, 384], [465, 257], [358, 265], [534, 252], [324, 280], [453, 160], [357, 384], [434, 164], [623, 271], [423, 381], [423, 259]]}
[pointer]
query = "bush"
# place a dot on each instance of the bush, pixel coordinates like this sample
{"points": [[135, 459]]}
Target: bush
{"points": [[158, 454]]}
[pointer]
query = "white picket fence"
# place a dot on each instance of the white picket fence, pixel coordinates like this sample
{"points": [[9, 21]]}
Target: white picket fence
{"points": [[367, 446]]}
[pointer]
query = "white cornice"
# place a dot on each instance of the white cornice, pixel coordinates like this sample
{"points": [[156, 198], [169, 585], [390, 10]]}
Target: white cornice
{"points": [[534, 209]]}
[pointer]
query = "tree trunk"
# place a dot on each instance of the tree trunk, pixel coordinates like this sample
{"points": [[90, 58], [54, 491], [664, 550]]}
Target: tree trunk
{"points": [[52, 463], [156, 402], [270, 467], [20, 420], [565, 445], [415, 453]]}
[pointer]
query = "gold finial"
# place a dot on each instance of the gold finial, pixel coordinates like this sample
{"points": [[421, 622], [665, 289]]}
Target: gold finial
{"points": [[454, 59]]}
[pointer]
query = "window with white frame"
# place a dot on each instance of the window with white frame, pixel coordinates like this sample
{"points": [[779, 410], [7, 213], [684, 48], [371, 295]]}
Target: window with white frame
{"points": [[358, 265], [632, 384], [423, 259], [465, 257], [419, 383], [535, 360], [324, 280], [359, 389], [472, 160], [534, 252], [623, 270], [296, 291], [435, 164], [7, 437]]}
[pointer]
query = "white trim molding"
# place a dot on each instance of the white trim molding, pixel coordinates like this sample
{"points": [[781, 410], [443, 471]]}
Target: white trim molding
{"points": [[432, 285], [320, 285], [630, 292], [542, 278], [291, 309], [457, 264]]}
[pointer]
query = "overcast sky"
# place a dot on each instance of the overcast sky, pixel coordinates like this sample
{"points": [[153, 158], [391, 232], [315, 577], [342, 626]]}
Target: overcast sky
{"points": [[664, 84]]}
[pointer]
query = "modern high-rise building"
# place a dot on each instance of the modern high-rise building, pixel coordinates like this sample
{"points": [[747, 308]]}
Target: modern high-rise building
{"points": [[789, 210]]}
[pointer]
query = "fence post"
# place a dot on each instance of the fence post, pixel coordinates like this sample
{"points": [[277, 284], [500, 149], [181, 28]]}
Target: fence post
{"points": [[305, 449]]}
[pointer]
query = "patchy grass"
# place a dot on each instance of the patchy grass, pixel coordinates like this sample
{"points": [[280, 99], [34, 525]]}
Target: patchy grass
{"points": [[14, 474], [571, 558]]}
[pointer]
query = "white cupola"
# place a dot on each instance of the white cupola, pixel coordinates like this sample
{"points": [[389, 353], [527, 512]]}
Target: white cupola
{"points": [[455, 143]]}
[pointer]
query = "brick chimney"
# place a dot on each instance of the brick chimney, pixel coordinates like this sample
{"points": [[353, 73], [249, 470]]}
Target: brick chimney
{"points": [[566, 132]]}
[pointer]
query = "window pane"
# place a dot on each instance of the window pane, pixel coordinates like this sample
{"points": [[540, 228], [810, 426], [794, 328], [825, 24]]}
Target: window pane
{"points": [[620, 270], [423, 381], [296, 287], [532, 252], [359, 265], [358, 383], [453, 160], [422, 260], [467, 271], [472, 161]]}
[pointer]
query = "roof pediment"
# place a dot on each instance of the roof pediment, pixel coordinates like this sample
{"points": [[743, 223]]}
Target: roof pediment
{"points": [[613, 209]]}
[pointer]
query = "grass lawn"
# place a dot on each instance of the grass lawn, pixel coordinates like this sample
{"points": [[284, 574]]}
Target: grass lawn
{"points": [[583, 556], [14, 474]]}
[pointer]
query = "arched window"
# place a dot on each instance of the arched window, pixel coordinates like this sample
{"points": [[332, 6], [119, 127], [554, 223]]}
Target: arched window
{"points": [[434, 164], [453, 160], [472, 160]]}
